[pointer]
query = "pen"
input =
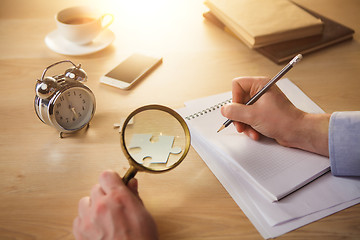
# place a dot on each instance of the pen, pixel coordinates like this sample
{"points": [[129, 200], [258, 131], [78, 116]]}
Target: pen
{"points": [[283, 71]]}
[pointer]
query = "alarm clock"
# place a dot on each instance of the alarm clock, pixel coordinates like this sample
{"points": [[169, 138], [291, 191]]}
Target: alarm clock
{"points": [[63, 101]]}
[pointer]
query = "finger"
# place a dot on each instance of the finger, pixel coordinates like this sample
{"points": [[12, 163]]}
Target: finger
{"points": [[84, 205], [76, 227], [110, 180], [252, 133], [239, 92], [96, 193], [239, 126], [243, 88], [247, 130], [133, 186], [238, 112]]}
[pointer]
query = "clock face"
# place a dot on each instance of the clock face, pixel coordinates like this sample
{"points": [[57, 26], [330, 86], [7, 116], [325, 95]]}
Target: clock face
{"points": [[73, 108]]}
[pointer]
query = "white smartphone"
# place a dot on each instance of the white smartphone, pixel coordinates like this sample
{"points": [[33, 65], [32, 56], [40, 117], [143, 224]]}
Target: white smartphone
{"points": [[129, 71]]}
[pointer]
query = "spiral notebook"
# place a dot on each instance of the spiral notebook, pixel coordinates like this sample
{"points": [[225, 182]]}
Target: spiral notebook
{"points": [[273, 170]]}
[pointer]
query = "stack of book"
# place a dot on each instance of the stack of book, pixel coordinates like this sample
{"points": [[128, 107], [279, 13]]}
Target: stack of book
{"points": [[279, 29]]}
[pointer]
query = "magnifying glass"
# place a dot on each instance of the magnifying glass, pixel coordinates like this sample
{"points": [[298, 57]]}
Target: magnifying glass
{"points": [[154, 139]]}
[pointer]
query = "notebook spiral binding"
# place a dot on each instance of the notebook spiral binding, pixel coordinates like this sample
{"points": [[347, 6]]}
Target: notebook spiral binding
{"points": [[207, 110]]}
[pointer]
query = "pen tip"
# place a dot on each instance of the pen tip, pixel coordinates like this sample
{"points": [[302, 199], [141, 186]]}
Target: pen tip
{"points": [[222, 127]]}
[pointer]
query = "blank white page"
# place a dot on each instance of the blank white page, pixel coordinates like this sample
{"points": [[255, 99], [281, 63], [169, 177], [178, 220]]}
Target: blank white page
{"points": [[276, 171]]}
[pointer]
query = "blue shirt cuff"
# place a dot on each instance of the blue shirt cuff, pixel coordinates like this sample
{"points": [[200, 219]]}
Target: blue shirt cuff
{"points": [[344, 143]]}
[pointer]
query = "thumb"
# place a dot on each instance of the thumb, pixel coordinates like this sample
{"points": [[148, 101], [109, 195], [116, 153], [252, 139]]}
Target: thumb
{"points": [[110, 180], [133, 186], [238, 112]]}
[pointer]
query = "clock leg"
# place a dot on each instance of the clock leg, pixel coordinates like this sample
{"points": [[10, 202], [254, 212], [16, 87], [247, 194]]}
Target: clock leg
{"points": [[86, 128]]}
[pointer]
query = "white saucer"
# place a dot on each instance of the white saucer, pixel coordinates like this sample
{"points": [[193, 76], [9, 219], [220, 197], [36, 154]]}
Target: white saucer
{"points": [[60, 45]]}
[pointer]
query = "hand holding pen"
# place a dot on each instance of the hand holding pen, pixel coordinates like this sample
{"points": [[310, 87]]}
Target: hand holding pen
{"points": [[267, 86]]}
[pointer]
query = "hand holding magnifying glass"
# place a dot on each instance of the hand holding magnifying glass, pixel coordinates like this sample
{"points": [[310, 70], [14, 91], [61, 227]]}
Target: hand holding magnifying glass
{"points": [[155, 139]]}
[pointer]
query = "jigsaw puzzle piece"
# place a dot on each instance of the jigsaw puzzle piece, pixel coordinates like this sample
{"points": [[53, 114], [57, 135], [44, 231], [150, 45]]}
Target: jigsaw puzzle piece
{"points": [[153, 151]]}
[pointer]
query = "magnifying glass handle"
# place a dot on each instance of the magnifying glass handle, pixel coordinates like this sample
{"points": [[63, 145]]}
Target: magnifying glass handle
{"points": [[129, 174]]}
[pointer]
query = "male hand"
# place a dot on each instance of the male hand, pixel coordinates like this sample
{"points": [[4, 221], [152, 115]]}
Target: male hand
{"points": [[274, 116], [114, 211]]}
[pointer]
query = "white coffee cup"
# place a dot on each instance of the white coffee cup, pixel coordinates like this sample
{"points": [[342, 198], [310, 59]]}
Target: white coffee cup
{"points": [[82, 24]]}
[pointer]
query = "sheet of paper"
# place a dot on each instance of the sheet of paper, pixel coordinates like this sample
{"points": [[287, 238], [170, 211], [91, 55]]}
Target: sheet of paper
{"points": [[265, 162], [318, 199], [290, 215]]}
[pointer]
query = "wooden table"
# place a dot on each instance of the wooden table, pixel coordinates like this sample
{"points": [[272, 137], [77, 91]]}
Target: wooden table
{"points": [[43, 176]]}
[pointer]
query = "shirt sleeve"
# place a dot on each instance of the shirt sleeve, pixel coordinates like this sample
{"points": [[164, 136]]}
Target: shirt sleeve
{"points": [[344, 143]]}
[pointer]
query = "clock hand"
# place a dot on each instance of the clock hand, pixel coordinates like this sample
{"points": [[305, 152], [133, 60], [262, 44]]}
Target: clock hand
{"points": [[70, 106], [74, 112]]}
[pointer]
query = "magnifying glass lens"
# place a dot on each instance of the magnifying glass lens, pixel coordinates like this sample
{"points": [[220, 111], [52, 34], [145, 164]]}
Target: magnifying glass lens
{"points": [[155, 138]]}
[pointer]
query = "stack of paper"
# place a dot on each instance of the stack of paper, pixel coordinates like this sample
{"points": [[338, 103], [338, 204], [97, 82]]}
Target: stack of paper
{"points": [[320, 198], [260, 23], [272, 169]]}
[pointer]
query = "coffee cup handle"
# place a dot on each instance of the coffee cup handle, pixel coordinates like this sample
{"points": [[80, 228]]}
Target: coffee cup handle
{"points": [[106, 20]]}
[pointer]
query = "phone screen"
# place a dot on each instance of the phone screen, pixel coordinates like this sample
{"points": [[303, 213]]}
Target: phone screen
{"points": [[133, 67]]}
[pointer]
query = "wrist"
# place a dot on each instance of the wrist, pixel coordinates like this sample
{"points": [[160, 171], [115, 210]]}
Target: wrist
{"points": [[311, 133]]}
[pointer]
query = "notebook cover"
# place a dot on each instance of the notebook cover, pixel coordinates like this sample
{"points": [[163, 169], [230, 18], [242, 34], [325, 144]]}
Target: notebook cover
{"points": [[281, 52]]}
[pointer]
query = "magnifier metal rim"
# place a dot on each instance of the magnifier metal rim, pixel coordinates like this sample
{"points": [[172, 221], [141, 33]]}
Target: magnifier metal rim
{"points": [[137, 165]]}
